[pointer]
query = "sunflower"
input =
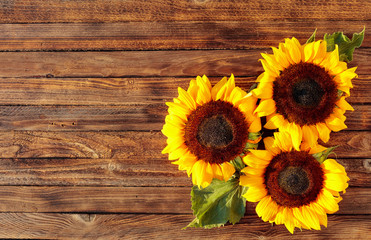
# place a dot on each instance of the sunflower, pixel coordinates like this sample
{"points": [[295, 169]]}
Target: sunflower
{"points": [[208, 127], [292, 187], [301, 90]]}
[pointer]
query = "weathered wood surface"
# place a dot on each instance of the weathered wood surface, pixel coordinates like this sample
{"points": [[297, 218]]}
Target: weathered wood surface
{"points": [[122, 145], [169, 200], [123, 91], [116, 118], [165, 226], [165, 35], [133, 171], [144, 63], [25, 11]]}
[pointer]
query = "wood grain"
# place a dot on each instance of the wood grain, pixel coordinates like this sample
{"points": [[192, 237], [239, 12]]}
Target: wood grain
{"points": [[123, 91], [116, 118], [25, 11], [144, 63], [131, 172], [161, 200], [140, 226], [123, 145], [165, 35]]}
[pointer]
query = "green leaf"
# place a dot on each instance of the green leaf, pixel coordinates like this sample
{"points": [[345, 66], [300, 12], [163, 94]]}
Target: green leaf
{"points": [[238, 164], [218, 203], [312, 37], [346, 46], [322, 156]]}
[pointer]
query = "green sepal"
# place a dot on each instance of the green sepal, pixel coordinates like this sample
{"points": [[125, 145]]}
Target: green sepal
{"points": [[255, 85], [218, 203], [254, 136], [346, 46], [237, 163], [322, 156], [312, 38], [340, 93]]}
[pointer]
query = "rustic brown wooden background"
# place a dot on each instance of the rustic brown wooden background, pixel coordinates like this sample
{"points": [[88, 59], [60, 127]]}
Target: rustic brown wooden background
{"points": [[83, 86]]}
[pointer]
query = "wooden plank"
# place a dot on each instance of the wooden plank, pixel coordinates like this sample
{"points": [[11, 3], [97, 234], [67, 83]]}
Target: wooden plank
{"points": [[123, 145], [165, 35], [144, 63], [132, 200], [124, 172], [116, 118], [25, 11], [119, 91], [140, 226]]}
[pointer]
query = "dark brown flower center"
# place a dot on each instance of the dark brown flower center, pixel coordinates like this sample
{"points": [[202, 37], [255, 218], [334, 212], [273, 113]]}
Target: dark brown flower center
{"points": [[216, 132], [305, 93], [294, 179]]}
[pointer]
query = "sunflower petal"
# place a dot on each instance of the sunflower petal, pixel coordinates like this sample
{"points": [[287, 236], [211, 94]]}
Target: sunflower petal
{"points": [[269, 145], [266, 107], [228, 170], [327, 201], [274, 121], [323, 132], [341, 103], [310, 134], [255, 194], [335, 124]]}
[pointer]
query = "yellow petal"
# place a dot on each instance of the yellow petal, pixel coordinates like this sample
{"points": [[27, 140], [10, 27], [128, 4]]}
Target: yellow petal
{"points": [[217, 87], [186, 99], [228, 170], [321, 53], [327, 201], [204, 94], [311, 217], [207, 175], [269, 145], [266, 107], [271, 60], [310, 134], [274, 121], [217, 171], [294, 49], [344, 104], [298, 214], [253, 171], [262, 154], [289, 219], [255, 194], [296, 135], [252, 181], [283, 141], [308, 51], [280, 57], [267, 212], [255, 125], [323, 132], [336, 182], [335, 124], [271, 70], [255, 162], [264, 90], [330, 165]]}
